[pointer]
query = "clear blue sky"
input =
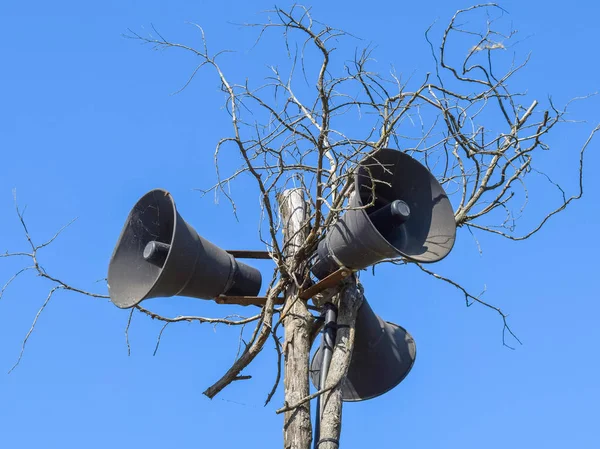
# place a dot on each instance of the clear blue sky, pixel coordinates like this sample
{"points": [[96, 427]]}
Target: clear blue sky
{"points": [[88, 124]]}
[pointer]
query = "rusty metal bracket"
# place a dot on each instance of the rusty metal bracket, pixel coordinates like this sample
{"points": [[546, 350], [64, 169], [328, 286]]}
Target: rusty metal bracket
{"points": [[245, 300], [252, 301], [330, 281], [249, 254]]}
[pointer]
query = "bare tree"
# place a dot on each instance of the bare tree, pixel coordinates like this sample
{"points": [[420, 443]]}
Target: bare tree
{"points": [[300, 133]]}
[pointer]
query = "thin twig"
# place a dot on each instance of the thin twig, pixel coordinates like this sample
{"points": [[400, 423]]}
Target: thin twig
{"points": [[35, 320]]}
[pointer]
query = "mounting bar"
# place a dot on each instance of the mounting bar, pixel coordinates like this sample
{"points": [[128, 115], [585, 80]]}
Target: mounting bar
{"points": [[330, 281], [249, 254], [246, 300]]}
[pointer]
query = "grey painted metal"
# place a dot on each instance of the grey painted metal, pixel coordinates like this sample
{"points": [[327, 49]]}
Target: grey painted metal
{"points": [[356, 241], [383, 355], [192, 266], [156, 252]]}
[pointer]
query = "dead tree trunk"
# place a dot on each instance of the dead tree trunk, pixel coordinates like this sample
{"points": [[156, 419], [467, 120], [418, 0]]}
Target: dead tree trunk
{"points": [[349, 300], [297, 320]]}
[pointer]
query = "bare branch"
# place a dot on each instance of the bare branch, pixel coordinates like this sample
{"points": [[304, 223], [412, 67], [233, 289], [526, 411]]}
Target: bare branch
{"points": [[470, 299], [35, 320], [127, 331], [162, 329]]}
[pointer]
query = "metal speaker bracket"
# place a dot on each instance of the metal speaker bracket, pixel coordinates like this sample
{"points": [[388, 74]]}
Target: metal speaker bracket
{"points": [[328, 282], [249, 254]]}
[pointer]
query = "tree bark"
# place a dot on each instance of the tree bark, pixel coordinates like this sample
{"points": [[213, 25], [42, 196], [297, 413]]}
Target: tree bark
{"points": [[350, 299], [297, 320]]}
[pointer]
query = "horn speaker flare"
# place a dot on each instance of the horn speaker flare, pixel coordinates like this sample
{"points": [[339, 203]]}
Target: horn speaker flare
{"points": [[383, 355], [397, 209], [158, 254]]}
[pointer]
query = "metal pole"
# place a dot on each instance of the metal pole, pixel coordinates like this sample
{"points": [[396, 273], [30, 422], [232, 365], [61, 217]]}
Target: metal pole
{"points": [[327, 343]]}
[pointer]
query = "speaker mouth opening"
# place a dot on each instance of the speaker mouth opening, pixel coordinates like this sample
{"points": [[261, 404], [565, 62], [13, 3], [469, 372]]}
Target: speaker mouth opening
{"points": [[401, 375], [393, 237], [429, 234], [356, 387], [131, 276]]}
